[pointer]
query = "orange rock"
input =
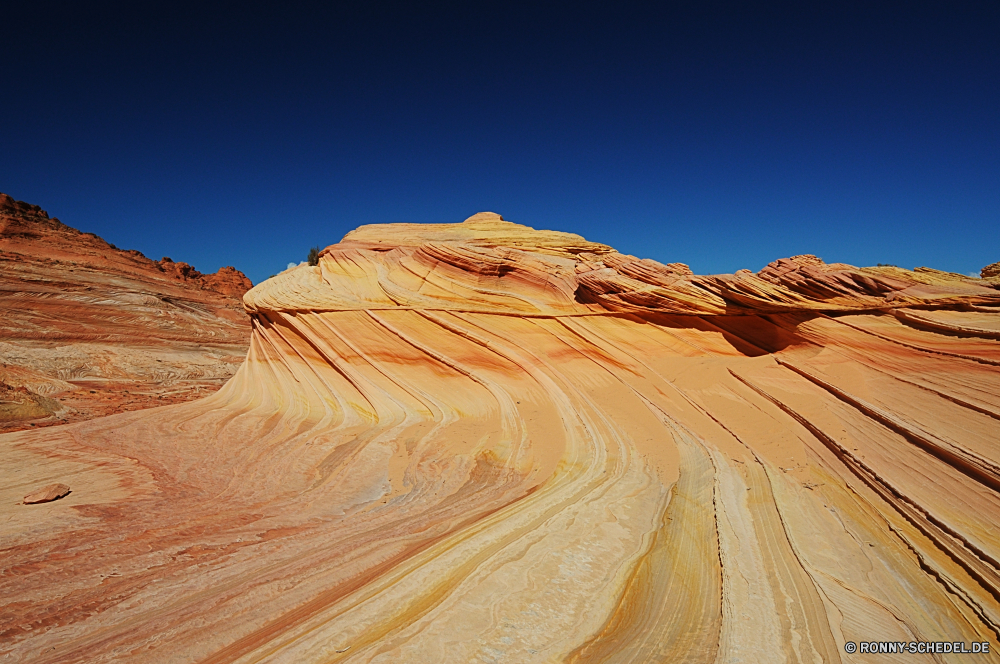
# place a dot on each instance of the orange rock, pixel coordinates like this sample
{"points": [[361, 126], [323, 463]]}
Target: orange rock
{"points": [[47, 495], [84, 322], [484, 442]]}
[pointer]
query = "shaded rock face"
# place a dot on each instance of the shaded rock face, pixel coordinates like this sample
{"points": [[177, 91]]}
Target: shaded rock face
{"points": [[90, 330], [481, 442], [990, 271]]}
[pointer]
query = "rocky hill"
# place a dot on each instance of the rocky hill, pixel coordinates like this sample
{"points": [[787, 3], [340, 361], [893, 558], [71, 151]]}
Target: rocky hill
{"points": [[482, 442], [87, 329]]}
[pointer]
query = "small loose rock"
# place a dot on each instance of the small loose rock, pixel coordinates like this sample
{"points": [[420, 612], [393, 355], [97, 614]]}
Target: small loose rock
{"points": [[47, 495]]}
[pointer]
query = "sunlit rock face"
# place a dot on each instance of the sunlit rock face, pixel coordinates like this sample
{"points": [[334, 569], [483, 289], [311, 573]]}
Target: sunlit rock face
{"points": [[87, 329], [479, 442]]}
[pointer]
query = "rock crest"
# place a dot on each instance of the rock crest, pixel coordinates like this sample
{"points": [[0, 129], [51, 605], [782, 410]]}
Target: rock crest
{"points": [[552, 272]]}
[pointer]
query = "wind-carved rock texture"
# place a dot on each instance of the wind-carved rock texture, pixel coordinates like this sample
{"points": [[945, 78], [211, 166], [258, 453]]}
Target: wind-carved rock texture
{"points": [[479, 442], [87, 329]]}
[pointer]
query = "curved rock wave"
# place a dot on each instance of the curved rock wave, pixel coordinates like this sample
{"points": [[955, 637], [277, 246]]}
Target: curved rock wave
{"points": [[480, 442]]}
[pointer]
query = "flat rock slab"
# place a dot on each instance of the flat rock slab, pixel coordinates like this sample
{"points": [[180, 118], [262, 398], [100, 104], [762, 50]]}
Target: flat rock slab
{"points": [[47, 495]]}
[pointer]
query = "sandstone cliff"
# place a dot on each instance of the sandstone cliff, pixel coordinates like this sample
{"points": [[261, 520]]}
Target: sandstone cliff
{"points": [[87, 329], [481, 442]]}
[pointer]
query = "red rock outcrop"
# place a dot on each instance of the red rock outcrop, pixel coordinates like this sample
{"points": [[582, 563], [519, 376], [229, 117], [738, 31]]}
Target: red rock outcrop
{"points": [[481, 442], [227, 281], [89, 329]]}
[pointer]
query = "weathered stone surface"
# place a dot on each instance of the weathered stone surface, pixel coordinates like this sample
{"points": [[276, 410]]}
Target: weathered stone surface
{"points": [[478, 442], [991, 270], [47, 495], [92, 330], [19, 404]]}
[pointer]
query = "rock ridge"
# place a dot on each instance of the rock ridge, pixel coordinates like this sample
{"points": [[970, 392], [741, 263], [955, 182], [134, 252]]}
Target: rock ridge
{"points": [[491, 265], [27, 228]]}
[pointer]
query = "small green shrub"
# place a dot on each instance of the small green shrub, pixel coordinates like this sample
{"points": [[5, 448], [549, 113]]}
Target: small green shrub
{"points": [[313, 257]]}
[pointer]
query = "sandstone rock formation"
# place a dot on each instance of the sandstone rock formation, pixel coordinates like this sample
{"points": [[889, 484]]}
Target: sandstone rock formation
{"points": [[47, 495], [990, 271], [87, 329], [481, 442], [18, 404]]}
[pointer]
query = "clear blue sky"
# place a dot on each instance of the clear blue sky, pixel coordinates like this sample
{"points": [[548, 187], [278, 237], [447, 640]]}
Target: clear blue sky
{"points": [[719, 135]]}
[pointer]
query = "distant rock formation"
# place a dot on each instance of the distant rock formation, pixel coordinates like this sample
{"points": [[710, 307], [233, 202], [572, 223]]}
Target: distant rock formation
{"points": [[483, 442], [227, 281], [88, 329], [28, 227], [990, 271]]}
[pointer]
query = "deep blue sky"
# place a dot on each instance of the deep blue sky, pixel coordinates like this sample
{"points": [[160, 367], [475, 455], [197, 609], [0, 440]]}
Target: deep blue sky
{"points": [[719, 135]]}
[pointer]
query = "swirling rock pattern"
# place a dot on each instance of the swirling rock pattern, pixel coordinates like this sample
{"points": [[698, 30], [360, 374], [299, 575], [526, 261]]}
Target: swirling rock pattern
{"points": [[87, 329], [479, 442]]}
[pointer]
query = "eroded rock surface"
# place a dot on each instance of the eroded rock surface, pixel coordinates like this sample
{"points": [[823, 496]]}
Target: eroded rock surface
{"points": [[88, 329], [480, 442]]}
